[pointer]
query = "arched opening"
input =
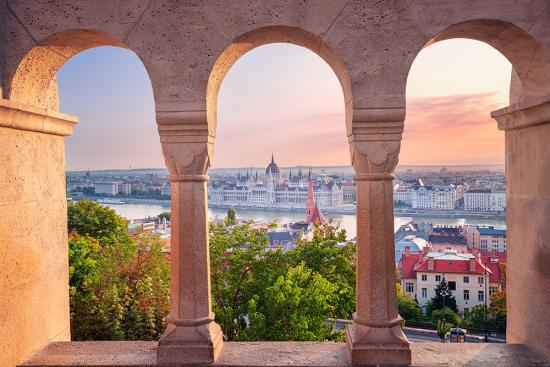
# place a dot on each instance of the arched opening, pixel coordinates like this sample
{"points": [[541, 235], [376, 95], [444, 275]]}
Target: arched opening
{"points": [[280, 98], [108, 297], [454, 191]]}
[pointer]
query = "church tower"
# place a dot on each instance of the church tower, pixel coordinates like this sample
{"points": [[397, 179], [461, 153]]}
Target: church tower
{"points": [[313, 213]]}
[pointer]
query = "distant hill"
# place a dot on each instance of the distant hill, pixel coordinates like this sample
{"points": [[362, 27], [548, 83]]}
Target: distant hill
{"points": [[318, 170]]}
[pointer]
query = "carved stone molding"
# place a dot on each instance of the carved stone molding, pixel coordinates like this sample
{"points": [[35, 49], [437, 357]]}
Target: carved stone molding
{"points": [[20, 116], [375, 142], [523, 115], [187, 145]]}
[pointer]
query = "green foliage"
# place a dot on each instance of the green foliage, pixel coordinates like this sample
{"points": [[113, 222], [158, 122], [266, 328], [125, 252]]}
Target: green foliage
{"points": [[477, 317], [88, 218], [498, 310], [492, 317], [446, 314], [328, 254], [119, 285], [438, 301], [295, 308], [166, 215], [442, 329], [259, 295], [408, 308], [231, 217]]}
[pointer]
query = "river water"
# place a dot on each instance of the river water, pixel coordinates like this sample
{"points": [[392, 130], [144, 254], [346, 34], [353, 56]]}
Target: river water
{"points": [[346, 221]]}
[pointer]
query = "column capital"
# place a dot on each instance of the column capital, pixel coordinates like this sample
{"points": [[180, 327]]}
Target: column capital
{"points": [[375, 141], [524, 114], [20, 116], [187, 144]]}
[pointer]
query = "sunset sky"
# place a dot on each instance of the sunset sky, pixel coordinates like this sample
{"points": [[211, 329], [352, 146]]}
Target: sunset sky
{"points": [[284, 99]]}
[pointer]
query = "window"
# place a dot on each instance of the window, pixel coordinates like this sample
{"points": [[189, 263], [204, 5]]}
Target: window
{"points": [[480, 296], [480, 280], [438, 278], [466, 295], [409, 287], [424, 277], [466, 279], [492, 290], [452, 286], [424, 292], [466, 311]]}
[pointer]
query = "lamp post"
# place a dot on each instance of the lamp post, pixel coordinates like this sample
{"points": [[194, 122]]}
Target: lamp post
{"points": [[486, 306], [444, 292]]}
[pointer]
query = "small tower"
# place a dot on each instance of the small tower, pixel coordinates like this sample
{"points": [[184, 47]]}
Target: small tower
{"points": [[313, 213]]}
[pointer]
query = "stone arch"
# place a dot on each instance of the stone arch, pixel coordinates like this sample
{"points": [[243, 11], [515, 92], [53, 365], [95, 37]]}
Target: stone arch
{"points": [[264, 36], [34, 81], [529, 59]]}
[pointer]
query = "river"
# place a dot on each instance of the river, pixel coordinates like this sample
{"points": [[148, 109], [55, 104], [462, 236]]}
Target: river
{"points": [[346, 221]]}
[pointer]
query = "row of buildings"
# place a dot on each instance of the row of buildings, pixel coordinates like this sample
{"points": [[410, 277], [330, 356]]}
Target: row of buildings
{"points": [[273, 190], [415, 194]]}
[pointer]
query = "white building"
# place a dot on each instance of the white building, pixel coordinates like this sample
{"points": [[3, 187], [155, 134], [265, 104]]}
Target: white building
{"points": [[106, 188], [271, 191], [485, 200], [434, 197], [125, 188], [420, 196], [472, 279]]}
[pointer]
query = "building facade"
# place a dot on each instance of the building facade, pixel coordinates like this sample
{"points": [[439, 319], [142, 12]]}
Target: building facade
{"points": [[485, 200], [471, 279], [272, 190], [486, 239]]}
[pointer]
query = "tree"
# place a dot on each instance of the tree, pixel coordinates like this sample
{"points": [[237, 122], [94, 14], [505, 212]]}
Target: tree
{"points": [[446, 314], [231, 217], [271, 295], [329, 254], [408, 308], [88, 218], [442, 329], [119, 285], [498, 310], [295, 308], [437, 301], [165, 215], [477, 317]]}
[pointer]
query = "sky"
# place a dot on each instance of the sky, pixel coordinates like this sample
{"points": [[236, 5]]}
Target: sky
{"points": [[284, 99]]}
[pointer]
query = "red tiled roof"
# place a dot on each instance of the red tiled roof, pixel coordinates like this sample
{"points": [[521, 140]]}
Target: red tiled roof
{"points": [[494, 267], [408, 263], [450, 266]]}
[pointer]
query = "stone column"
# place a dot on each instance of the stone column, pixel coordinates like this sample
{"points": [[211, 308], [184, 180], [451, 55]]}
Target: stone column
{"points": [[34, 266], [192, 336], [375, 336], [527, 133]]}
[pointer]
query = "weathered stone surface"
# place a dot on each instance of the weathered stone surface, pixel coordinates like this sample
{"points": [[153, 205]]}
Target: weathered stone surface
{"points": [[187, 47], [279, 354], [34, 298]]}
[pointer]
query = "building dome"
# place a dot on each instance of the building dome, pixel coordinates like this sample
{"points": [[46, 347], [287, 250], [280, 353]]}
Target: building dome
{"points": [[272, 167], [416, 245]]}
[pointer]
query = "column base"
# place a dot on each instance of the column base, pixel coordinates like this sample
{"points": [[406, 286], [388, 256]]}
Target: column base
{"points": [[374, 346], [190, 345]]}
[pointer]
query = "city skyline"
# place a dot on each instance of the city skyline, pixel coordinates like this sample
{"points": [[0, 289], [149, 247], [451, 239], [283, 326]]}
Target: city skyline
{"points": [[294, 109]]}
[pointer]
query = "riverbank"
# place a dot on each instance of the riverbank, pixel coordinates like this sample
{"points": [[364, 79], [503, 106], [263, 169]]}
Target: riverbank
{"points": [[346, 210]]}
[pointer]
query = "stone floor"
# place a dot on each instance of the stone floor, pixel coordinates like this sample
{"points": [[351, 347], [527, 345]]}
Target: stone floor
{"points": [[279, 354]]}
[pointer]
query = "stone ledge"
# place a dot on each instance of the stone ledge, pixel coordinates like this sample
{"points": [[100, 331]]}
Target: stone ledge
{"points": [[522, 115], [281, 354], [20, 116]]}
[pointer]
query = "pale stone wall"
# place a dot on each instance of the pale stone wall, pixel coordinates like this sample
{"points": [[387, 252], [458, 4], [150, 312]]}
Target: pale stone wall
{"points": [[528, 273], [187, 48], [34, 298]]}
